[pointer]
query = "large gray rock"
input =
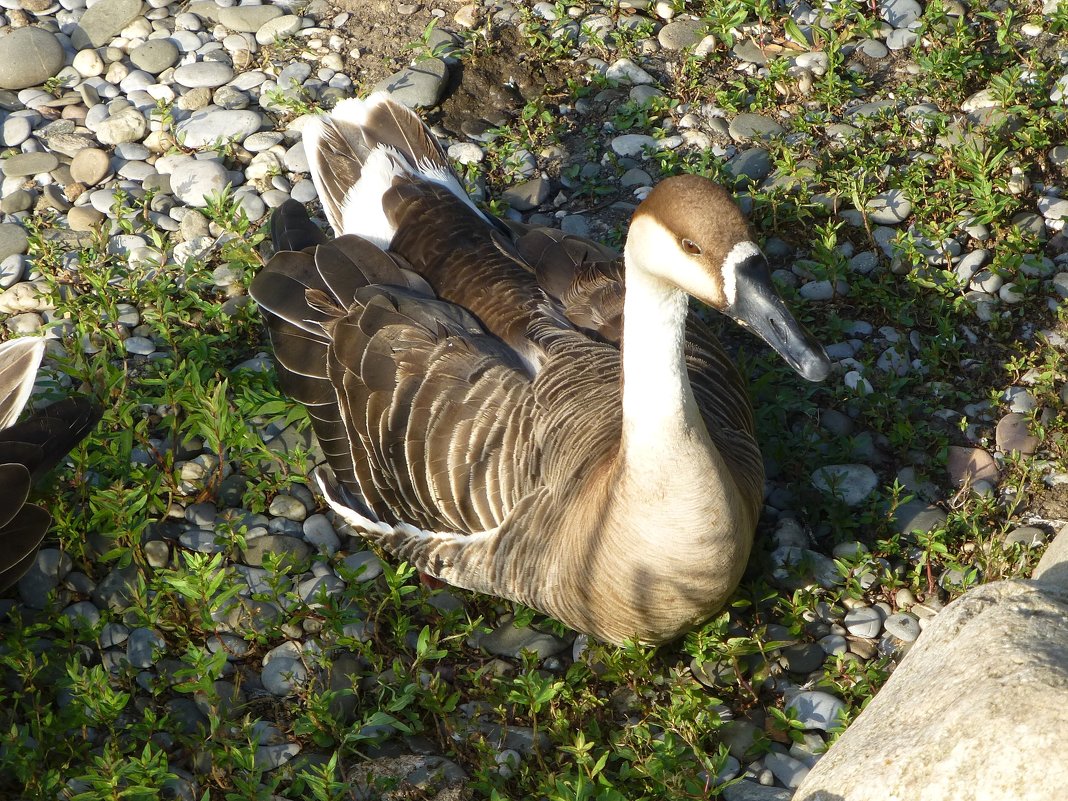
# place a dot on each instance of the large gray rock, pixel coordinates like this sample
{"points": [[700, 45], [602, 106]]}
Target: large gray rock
{"points": [[980, 697], [28, 57], [101, 23]]}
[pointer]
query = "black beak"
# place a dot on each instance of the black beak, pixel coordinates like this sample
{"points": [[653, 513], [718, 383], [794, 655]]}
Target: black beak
{"points": [[757, 306]]}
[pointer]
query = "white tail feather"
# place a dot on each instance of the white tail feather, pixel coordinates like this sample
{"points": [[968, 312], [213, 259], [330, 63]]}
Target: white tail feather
{"points": [[360, 211]]}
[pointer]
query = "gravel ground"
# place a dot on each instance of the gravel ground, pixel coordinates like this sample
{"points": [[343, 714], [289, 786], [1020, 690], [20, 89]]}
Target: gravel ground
{"points": [[122, 122]]}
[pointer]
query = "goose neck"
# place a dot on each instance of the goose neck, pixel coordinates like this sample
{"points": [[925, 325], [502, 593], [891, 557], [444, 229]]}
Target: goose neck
{"points": [[656, 389]]}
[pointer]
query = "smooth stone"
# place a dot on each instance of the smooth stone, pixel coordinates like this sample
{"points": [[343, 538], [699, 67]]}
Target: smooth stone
{"points": [[291, 549], [746, 790], [900, 13], [864, 621], [900, 39], [1053, 566], [288, 507], [128, 125], [746, 127], [88, 63], [627, 72], [283, 676], [852, 483], [48, 568], [968, 465], [903, 626], [985, 689], [84, 218], [365, 565], [90, 166], [13, 240], [143, 645], [155, 55], [750, 52], [1013, 434], [633, 145], [803, 657], [24, 164], [203, 74], [752, 164], [873, 48], [507, 640], [681, 34], [248, 18], [103, 21], [28, 57], [320, 532], [12, 269], [208, 127], [816, 709], [889, 208], [418, 86], [14, 131], [1027, 536], [528, 195], [278, 28], [789, 771], [195, 182]]}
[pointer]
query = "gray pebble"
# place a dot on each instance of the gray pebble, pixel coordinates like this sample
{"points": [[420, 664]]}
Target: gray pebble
{"points": [[816, 709], [29, 56], [142, 647], [864, 621], [283, 676], [418, 86], [903, 626], [852, 483]]}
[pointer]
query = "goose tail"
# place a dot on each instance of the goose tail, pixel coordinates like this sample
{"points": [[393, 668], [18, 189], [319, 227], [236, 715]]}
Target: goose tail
{"points": [[357, 152]]}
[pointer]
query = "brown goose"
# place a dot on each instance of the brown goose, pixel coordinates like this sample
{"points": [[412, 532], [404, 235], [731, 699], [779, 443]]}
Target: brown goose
{"points": [[497, 411], [28, 450]]}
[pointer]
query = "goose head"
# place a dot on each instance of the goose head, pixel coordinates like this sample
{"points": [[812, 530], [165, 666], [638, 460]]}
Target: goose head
{"points": [[688, 233]]}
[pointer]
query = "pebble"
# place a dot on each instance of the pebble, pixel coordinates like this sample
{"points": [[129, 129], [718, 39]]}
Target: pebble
{"points": [[789, 771], [1013, 434], [746, 127], [102, 21], [627, 72], [203, 74], [207, 128], [633, 145], [852, 483], [155, 56], [968, 465], [90, 166], [889, 208], [864, 621], [199, 180], [418, 86], [283, 676], [28, 57], [507, 640], [816, 709], [903, 626]]}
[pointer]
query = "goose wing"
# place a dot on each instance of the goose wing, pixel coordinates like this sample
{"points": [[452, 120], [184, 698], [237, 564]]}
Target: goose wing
{"points": [[419, 411], [19, 360], [28, 450]]}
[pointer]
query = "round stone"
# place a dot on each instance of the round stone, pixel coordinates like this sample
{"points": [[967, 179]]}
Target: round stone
{"points": [[203, 74], [154, 56], [103, 21], [129, 125], [681, 34], [278, 28], [889, 208], [28, 57], [13, 240], [864, 621], [283, 675], [853, 483], [88, 63], [1013, 434], [747, 126], [195, 182], [90, 166], [903, 626], [816, 709], [208, 127], [248, 18], [24, 164], [633, 145], [418, 86]]}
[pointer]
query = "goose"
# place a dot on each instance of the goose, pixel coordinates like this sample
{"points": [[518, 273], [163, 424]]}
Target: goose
{"points": [[28, 450], [517, 411]]}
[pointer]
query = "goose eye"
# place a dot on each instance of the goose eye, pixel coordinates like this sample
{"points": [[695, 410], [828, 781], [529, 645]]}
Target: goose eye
{"points": [[691, 247]]}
